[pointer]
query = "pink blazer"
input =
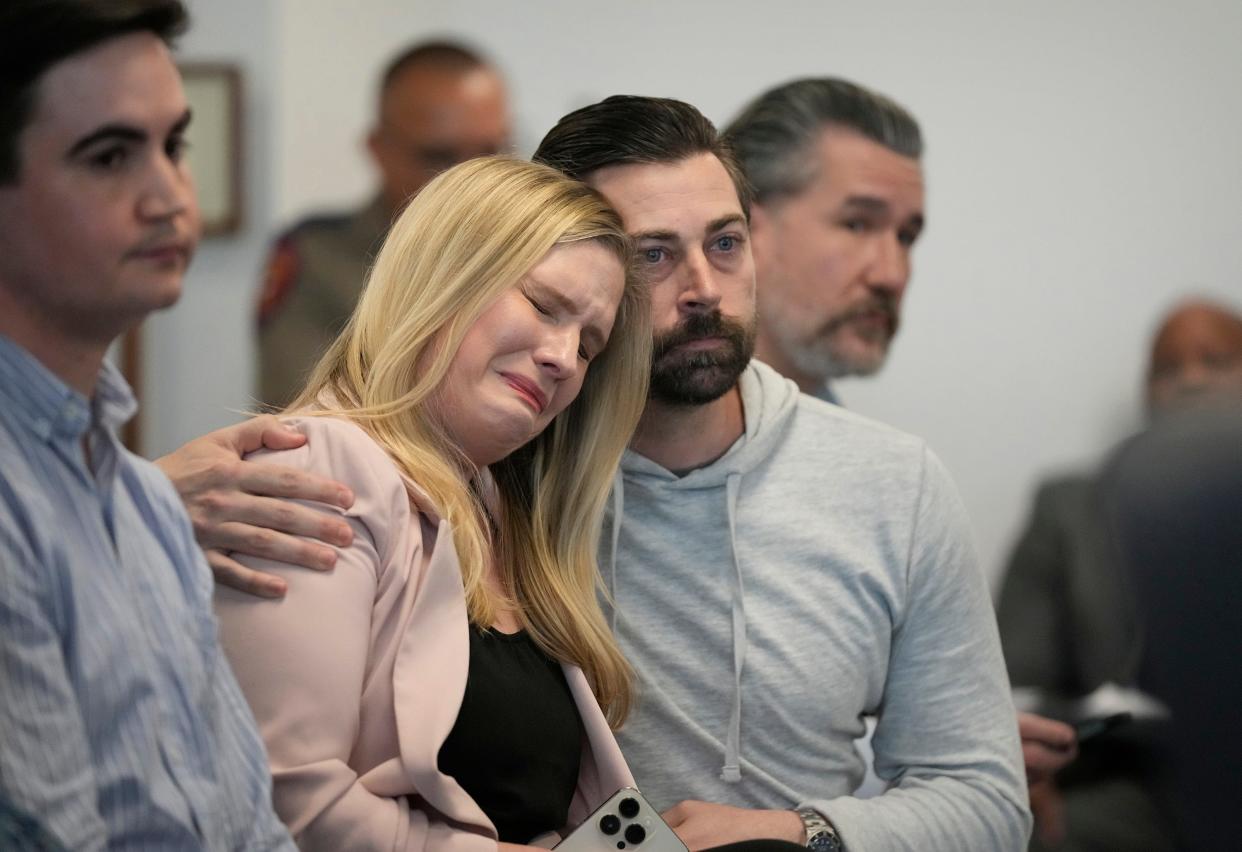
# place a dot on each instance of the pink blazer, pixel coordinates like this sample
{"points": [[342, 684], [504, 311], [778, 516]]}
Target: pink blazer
{"points": [[357, 675]]}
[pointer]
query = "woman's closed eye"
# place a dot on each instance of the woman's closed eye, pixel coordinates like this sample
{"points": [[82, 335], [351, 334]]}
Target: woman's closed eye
{"points": [[538, 306]]}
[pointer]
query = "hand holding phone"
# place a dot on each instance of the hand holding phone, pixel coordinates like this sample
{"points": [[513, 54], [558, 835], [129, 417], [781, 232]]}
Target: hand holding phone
{"points": [[1094, 726], [626, 821]]}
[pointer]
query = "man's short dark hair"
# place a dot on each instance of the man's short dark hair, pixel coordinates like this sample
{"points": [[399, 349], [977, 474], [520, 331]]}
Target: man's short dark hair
{"points": [[774, 134], [37, 34], [447, 55], [629, 129]]}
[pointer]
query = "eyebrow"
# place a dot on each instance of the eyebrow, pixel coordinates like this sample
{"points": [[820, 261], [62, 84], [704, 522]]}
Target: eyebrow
{"points": [[712, 226], [867, 202], [591, 331], [877, 206], [725, 221], [117, 132], [658, 236]]}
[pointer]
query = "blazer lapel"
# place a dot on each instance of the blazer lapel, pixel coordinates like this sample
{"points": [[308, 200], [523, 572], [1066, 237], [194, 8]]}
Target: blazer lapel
{"points": [[429, 682], [604, 770]]}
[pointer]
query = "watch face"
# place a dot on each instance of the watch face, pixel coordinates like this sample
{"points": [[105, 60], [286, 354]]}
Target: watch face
{"points": [[824, 841]]}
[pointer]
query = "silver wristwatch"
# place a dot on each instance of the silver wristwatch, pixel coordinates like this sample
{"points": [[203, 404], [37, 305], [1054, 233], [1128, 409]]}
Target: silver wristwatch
{"points": [[820, 834]]}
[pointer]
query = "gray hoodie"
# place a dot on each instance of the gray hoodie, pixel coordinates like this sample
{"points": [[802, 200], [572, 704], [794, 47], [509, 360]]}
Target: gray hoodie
{"points": [[821, 570]]}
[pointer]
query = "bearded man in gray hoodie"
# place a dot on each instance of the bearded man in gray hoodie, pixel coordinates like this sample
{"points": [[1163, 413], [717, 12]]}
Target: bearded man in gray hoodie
{"points": [[778, 567]]}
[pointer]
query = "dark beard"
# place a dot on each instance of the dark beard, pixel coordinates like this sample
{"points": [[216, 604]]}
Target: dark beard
{"points": [[700, 377]]}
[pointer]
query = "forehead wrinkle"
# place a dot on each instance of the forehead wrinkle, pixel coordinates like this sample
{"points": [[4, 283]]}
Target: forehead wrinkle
{"points": [[882, 175], [662, 194]]}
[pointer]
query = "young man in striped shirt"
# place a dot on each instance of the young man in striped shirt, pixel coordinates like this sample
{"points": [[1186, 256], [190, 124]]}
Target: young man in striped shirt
{"points": [[121, 725]]}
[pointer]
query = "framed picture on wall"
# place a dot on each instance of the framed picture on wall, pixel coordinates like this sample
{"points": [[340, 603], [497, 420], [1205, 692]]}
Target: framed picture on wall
{"points": [[215, 152]]}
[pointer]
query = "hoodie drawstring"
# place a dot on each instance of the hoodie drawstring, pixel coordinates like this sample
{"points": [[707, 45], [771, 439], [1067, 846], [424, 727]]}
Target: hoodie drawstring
{"points": [[618, 509], [732, 769]]}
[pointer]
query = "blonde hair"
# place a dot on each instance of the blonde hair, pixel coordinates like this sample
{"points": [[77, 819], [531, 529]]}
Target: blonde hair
{"points": [[470, 234]]}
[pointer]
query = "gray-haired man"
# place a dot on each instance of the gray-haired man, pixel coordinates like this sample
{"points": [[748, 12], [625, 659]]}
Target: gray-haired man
{"points": [[838, 206]]}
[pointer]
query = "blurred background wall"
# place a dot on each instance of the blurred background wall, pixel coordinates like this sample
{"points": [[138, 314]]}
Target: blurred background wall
{"points": [[1082, 167]]}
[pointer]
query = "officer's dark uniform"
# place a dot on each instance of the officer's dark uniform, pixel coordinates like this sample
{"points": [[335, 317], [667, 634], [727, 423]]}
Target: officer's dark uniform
{"points": [[314, 275]]}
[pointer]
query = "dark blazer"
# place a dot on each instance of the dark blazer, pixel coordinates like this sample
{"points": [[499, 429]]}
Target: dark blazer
{"points": [[1068, 622], [1066, 613], [1176, 495]]}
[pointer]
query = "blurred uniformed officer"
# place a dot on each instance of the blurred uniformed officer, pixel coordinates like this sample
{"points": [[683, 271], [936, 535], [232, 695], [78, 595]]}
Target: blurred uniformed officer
{"points": [[439, 104]]}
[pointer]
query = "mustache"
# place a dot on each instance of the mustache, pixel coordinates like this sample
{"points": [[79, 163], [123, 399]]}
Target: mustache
{"points": [[697, 327], [882, 303]]}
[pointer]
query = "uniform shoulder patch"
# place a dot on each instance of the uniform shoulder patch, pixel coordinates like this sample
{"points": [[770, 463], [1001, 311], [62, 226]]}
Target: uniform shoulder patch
{"points": [[279, 277]]}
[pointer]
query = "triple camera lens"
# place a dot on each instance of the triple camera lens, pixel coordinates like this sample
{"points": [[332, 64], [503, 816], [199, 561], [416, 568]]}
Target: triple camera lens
{"points": [[610, 824]]}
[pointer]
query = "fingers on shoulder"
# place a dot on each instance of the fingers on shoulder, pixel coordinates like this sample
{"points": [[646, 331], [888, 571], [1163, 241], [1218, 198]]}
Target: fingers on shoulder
{"points": [[229, 572]]}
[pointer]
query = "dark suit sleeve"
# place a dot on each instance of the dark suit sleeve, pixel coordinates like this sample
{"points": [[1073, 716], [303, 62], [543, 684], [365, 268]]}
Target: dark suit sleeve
{"points": [[1034, 603]]}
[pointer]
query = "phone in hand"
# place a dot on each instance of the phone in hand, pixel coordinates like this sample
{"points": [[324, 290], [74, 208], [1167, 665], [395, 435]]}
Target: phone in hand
{"points": [[1094, 726], [626, 821]]}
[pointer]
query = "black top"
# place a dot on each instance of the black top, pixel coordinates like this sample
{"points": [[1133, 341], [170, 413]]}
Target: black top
{"points": [[517, 743]]}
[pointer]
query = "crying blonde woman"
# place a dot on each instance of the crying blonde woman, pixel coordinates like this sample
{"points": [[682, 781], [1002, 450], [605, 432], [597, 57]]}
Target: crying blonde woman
{"points": [[452, 683]]}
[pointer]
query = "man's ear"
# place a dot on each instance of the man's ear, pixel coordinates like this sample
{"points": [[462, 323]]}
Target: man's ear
{"points": [[373, 143]]}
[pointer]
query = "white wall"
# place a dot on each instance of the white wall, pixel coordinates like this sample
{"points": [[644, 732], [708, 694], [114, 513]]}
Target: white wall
{"points": [[198, 356], [1082, 173]]}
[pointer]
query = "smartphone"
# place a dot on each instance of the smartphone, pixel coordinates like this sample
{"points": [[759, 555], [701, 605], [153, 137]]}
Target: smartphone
{"points": [[1094, 726], [626, 821]]}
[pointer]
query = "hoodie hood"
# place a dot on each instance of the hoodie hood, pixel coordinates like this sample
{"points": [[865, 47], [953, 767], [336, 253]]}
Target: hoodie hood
{"points": [[768, 401]]}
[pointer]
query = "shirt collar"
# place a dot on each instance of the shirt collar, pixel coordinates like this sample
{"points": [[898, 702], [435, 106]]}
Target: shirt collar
{"points": [[52, 409]]}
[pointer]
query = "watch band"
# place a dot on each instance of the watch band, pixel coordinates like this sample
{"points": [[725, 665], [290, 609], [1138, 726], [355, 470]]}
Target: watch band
{"points": [[821, 835]]}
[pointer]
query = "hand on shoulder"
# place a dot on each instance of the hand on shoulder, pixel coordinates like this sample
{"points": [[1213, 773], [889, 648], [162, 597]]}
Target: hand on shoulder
{"points": [[246, 506]]}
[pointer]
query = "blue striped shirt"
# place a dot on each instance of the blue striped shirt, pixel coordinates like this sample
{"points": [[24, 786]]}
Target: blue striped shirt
{"points": [[121, 725], [19, 831]]}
